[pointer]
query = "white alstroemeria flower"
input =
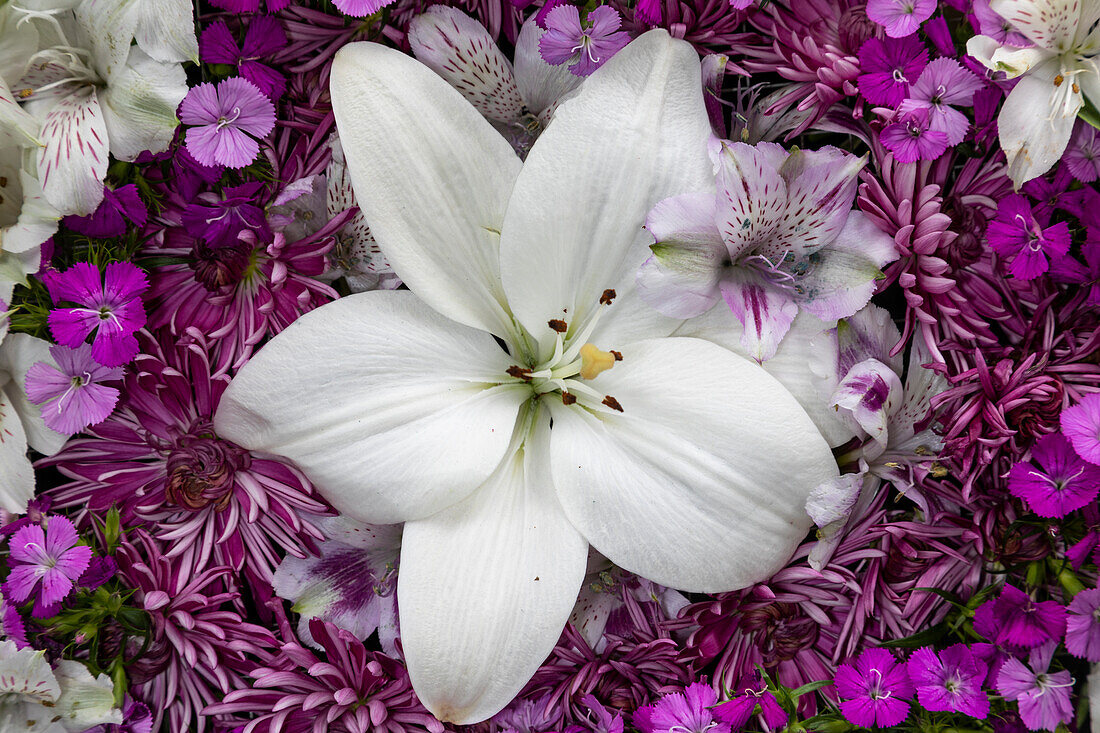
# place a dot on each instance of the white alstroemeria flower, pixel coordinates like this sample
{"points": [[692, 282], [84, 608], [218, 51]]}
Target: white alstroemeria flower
{"points": [[37, 699], [1059, 71], [520, 403], [26, 218], [20, 421], [518, 100], [93, 98]]}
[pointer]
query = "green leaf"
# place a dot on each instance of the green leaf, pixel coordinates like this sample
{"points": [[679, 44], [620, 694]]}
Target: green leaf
{"points": [[928, 637], [809, 687], [1090, 114]]}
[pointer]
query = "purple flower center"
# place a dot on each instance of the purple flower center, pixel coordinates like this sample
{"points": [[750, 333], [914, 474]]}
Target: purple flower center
{"points": [[201, 472]]}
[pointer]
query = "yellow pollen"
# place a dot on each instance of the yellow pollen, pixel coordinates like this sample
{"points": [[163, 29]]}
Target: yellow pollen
{"points": [[594, 361], [1058, 80]]}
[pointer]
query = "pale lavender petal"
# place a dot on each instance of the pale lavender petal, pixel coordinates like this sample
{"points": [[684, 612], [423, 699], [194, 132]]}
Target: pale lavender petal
{"points": [[870, 391], [201, 106], [765, 312]]}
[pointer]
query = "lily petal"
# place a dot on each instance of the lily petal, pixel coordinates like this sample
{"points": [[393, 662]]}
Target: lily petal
{"points": [[459, 49], [541, 85], [432, 176], [139, 107], [709, 451], [634, 134], [394, 415], [73, 160], [512, 565], [109, 27]]}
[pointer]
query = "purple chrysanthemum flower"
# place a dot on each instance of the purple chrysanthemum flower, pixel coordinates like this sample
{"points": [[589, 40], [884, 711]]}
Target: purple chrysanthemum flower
{"points": [[226, 120], [71, 394], [1015, 233], [874, 691], [889, 67], [943, 83], [263, 37], [44, 563], [900, 18], [158, 460], [950, 681], [1043, 697], [1081, 424], [1082, 156], [109, 307], [749, 693], [911, 137], [686, 712], [355, 690], [584, 49], [199, 644], [1014, 619], [1083, 625], [119, 208], [1063, 482]]}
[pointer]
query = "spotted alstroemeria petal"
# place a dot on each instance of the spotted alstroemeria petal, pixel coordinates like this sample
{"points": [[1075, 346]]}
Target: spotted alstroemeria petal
{"points": [[541, 85], [459, 49], [870, 392], [765, 311], [751, 195], [26, 676], [73, 160], [821, 185]]}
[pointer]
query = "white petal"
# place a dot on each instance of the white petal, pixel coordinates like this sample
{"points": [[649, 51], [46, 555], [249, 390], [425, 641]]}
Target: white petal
{"points": [[25, 673], [870, 392], [109, 27], [26, 218], [541, 85], [16, 474], [486, 587], [1034, 135], [384, 404], [459, 49], [806, 363], [18, 353], [634, 134], [833, 499], [433, 178], [73, 161], [139, 106], [85, 700], [1046, 23], [166, 30], [701, 482]]}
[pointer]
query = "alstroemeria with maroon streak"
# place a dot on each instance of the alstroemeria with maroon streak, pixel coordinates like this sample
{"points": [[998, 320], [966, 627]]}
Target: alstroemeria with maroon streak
{"points": [[780, 236]]}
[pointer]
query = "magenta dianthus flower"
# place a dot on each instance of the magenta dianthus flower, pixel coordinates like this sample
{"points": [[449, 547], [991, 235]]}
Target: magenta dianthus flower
{"points": [[950, 681], [1083, 625], [900, 18], [118, 209], [1082, 156], [263, 37], [1015, 233], [1061, 484], [1043, 697], [686, 712], [1081, 424], [1014, 619], [47, 561], [943, 83], [71, 394], [911, 136], [875, 691], [889, 66], [109, 306], [226, 120], [584, 49], [751, 692]]}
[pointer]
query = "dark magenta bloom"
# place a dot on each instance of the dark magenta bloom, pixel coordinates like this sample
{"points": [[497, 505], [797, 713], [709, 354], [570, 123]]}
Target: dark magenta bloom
{"points": [[686, 712], [119, 208], [1013, 619], [911, 136], [950, 681], [263, 37], [1060, 484], [748, 695], [889, 66], [875, 691], [219, 218], [109, 309], [1016, 234]]}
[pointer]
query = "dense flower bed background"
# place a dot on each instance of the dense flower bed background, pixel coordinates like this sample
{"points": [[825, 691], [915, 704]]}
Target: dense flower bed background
{"points": [[162, 578]]}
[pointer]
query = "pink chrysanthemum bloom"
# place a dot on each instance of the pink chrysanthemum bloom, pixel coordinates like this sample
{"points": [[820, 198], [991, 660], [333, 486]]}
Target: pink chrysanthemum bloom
{"points": [[158, 460], [352, 690], [199, 644], [237, 295], [45, 562], [712, 26], [227, 120]]}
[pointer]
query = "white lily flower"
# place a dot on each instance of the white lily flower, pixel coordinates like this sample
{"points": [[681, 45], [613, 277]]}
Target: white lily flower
{"points": [[521, 403], [37, 699], [93, 98], [1059, 71]]}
